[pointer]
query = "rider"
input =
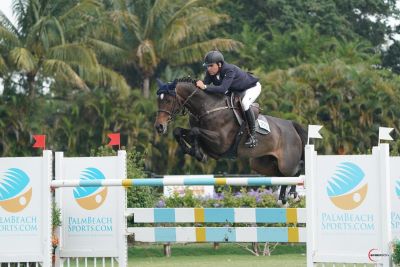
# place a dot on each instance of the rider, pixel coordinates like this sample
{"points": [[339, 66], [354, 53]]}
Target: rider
{"points": [[222, 77]]}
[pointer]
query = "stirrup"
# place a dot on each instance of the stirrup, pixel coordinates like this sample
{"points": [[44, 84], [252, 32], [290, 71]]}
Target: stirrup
{"points": [[251, 141]]}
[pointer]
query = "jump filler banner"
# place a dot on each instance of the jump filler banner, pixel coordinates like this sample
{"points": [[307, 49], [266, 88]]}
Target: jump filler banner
{"points": [[395, 196], [24, 219], [90, 211], [349, 206]]}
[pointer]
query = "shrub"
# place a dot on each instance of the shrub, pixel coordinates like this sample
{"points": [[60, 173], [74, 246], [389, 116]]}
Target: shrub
{"points": [[396, 252]]}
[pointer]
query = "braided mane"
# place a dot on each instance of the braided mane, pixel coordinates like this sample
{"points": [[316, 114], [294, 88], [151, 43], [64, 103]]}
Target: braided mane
{"points": [[187, 79]]}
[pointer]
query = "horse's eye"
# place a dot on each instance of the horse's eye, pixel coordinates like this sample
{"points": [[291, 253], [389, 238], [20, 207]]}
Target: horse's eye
{"points": [[161, 96]]}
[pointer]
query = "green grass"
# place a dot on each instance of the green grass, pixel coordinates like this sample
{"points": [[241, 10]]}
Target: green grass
{"points": [[204, 255]]}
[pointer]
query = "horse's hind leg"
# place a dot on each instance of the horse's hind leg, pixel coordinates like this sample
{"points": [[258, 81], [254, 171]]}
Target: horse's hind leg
{"points": [[265, 165], [292, 192], [268, 166]]}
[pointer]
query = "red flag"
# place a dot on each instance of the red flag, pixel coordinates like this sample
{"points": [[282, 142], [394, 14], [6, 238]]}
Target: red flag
{"points": [[114, 139], [40, 141]]}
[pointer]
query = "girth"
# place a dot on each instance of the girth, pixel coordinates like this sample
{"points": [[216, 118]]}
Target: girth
{"points": [[234, 102]]}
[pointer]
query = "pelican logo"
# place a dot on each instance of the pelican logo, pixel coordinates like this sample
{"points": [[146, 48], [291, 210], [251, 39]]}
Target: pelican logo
{"points": [[90, 198], [347, 187], [15, 190]]}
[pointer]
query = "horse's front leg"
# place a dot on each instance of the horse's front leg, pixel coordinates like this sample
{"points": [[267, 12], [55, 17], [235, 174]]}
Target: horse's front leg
{"points": [[184, 139]]}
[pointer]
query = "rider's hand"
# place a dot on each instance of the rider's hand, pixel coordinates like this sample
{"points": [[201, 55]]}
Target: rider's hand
{"points": [[200, 84]]}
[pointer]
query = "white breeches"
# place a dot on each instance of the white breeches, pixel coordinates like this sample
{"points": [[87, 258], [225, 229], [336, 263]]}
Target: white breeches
{"points": [[251, 95]]}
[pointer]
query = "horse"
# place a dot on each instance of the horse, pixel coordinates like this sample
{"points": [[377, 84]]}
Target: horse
{"points": [[216, 131]]}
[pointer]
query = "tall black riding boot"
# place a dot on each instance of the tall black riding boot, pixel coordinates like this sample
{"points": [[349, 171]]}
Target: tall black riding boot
{"points": [[251, 141]]}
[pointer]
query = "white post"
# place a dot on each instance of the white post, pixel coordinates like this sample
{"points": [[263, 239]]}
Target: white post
{"points": [[309, 184], [47, 164], [384, 183], [122, 223], [58, 195]]}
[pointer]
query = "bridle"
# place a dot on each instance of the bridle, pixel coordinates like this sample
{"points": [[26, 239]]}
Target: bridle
{"points": [[181, 108]]}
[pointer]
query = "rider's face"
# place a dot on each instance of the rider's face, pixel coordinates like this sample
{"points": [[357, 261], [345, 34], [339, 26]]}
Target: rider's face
{"points": [[213, 69]]}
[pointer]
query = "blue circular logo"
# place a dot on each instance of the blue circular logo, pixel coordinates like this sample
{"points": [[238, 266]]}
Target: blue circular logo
{"points": [[347, 187], [90, 198], [15, 190]]}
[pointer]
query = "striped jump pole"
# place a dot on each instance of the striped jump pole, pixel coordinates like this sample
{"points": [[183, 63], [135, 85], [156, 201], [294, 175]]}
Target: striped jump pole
{"points": [[179, 181]]}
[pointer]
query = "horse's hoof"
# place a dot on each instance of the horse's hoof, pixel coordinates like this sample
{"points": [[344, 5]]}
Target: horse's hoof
{"points": [[201, 157], [283, 203]]}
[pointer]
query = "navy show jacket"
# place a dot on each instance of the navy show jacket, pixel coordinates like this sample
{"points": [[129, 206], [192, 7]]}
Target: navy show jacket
{"points": [[231, 78]]}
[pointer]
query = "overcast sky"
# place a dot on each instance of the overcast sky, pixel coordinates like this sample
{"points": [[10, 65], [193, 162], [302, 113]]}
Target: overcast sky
{"points": [[5, 7]]}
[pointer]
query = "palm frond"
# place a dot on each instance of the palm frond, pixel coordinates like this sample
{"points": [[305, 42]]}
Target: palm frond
{"points": [[19, 8], [102, 76], [160, 9], [107, 50], [102, 28], [73, 53], [8, 38], [37, 32], [59, 28], [3, 66], [22, 59], [185, 9], [196, 51], [81, 9], [113, 80], [196, 24], [6, 23], [62, 71], [130, 21]]}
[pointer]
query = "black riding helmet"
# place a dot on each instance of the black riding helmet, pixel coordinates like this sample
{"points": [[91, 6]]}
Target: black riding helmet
{"points": [[213, 57]]}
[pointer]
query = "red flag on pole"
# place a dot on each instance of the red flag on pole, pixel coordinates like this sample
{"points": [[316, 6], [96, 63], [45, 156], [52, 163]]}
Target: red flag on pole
{"points": [[40, 141], [114, 139]]}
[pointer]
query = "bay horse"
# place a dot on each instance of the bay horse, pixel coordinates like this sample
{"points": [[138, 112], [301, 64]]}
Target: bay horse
{"points": [[216, 132]]}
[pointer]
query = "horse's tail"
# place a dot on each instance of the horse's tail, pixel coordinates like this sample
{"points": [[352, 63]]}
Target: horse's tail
{"points": [[303, 135]]}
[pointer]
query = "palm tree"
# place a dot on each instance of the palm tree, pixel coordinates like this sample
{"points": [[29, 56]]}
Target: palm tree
{"points": [[174, 32], [53, 41]]}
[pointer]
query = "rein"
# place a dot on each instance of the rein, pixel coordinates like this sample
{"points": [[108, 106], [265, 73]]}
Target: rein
{"points": [[181, 108]]}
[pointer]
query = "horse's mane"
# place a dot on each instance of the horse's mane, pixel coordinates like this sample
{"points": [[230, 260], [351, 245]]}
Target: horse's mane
{"points": [[188, 79]]}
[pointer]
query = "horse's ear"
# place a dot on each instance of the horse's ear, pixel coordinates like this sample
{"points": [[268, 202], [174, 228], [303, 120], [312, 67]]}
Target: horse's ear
{"points": [[159, 83]]}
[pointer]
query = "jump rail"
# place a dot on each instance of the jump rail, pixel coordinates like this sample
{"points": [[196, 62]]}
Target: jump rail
{"points": [[251, 181]]}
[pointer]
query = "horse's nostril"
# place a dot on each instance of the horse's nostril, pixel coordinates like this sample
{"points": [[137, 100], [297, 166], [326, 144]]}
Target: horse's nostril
{"points": [[159, 128]]}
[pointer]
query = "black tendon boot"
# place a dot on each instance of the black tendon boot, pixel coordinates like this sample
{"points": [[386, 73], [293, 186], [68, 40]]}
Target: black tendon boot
{"points": [[251, 141]]}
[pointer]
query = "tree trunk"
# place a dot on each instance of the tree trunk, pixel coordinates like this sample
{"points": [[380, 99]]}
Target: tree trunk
{"points": [[146, 87], [31, 85]]}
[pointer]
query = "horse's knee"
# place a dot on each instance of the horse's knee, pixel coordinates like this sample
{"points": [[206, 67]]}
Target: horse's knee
{"points": [[195, 131]]}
